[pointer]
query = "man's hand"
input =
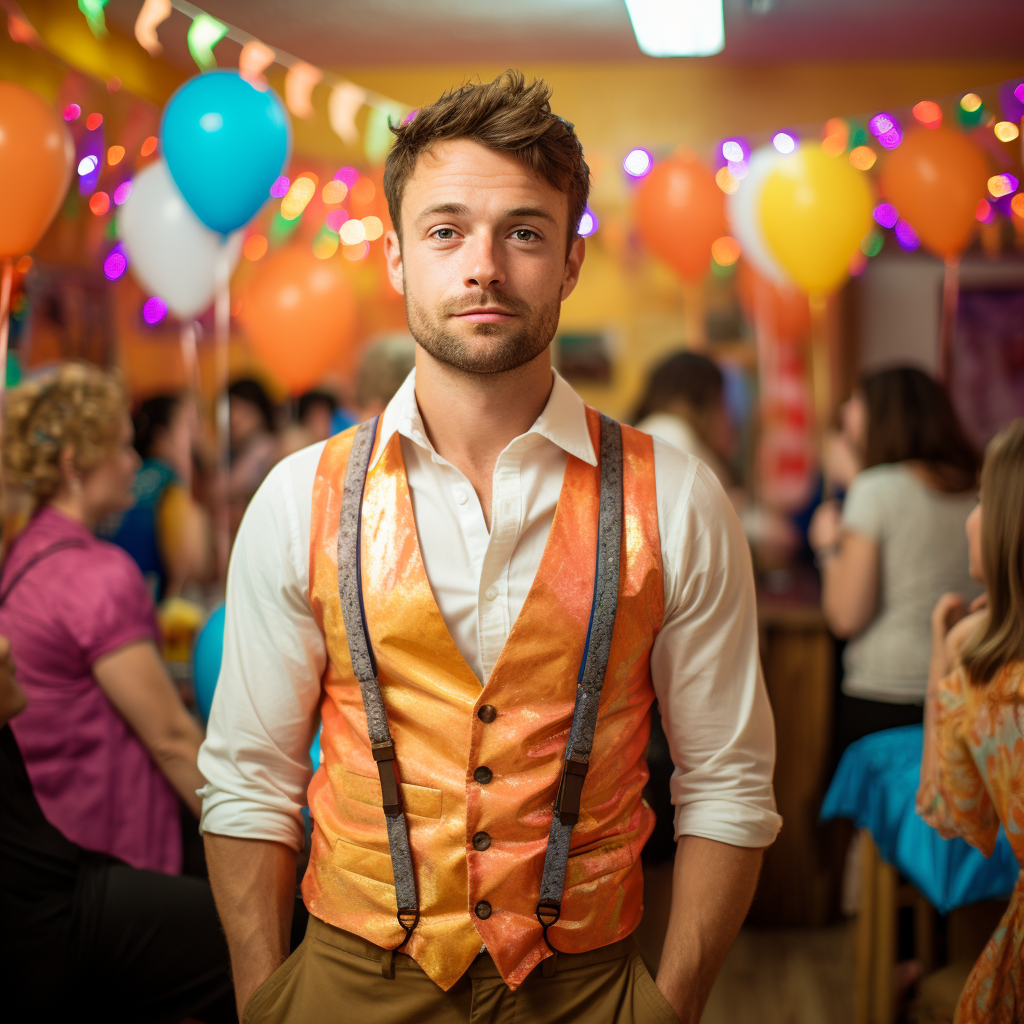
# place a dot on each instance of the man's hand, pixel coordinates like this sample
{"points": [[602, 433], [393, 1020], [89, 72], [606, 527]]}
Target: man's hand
{"points": [[253, 882], [712, 886]]}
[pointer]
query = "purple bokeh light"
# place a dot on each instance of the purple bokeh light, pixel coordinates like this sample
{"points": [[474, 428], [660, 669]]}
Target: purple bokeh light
{"points": [[280, 187], [886, 215], [906, 236], [638, 163], [154, 310], [115, 264], [588, 223], [1011, 99], [335, 219], [411, 116], [887, 130], [122, 192], [348, 175]]}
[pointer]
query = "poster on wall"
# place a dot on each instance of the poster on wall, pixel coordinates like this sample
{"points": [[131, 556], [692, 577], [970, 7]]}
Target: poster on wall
{"points": [[987, 372]]}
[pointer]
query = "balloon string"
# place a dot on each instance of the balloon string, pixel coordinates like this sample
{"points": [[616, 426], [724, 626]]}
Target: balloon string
{"points": [[950, 305], [222, 317], [821, 369], [5, 309]]}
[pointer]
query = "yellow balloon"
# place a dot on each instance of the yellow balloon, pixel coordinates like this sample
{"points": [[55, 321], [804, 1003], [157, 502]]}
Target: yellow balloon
{"points": [[815, 211]]}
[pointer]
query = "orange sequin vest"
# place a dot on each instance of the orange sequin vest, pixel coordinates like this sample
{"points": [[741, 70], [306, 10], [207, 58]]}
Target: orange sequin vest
{"points": [[432, 698]]}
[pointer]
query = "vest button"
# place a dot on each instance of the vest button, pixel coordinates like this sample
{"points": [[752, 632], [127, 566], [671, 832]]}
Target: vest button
{"points": [[483, 775], [482, 910], [487, 713], [481, 841]]}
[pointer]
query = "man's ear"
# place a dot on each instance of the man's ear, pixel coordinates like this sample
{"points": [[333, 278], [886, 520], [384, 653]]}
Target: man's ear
{"points": [[573, 263], [393, 257]]}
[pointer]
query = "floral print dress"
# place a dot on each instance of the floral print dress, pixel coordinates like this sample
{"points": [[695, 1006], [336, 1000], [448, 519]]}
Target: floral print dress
{"points": [[976, 782]]}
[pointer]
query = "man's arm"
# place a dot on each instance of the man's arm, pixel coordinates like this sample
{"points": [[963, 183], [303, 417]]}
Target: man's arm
{"points": [[253, 882], [712, 886]]}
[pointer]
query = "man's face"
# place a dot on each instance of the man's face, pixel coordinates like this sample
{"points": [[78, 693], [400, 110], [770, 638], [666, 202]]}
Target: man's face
{"points": [[482, 263]]}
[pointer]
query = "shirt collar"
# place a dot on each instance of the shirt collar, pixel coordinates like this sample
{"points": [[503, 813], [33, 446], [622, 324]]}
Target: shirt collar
{"points": [[563, 421]]}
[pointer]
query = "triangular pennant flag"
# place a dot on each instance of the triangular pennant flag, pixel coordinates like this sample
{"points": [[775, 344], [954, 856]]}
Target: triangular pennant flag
{"points": [[298, 88], [153, 13], [254, 59], [345, 102]]}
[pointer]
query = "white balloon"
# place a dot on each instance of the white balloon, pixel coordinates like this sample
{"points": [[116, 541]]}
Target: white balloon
{"points": [[744, 209], [170, 251]]}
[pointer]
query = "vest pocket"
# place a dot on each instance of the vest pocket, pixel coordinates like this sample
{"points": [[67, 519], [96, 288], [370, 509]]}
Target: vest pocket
{"points": [[605, 858], [360, 861], [418, 800]]}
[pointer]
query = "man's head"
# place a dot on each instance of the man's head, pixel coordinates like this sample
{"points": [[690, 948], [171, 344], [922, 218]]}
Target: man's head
{"points": [[486, 188]]}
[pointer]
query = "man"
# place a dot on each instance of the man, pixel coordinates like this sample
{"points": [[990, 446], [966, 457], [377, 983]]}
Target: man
{"points": [[480, 594]]}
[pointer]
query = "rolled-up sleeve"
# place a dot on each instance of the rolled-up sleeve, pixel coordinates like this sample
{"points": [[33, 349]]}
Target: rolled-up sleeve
{"points": [[705, 664], [256, 754]]}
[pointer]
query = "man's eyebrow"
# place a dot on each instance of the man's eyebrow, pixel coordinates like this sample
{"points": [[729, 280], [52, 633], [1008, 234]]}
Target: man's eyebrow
{"points": [[455, 209], [530, 211]]}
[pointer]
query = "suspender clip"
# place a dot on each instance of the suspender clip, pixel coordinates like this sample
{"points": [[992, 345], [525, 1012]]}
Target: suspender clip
{"points": [[570, 792], [391, 796]]}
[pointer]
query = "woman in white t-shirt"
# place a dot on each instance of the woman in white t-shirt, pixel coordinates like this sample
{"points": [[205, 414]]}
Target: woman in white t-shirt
{"points": [[896, 545]]}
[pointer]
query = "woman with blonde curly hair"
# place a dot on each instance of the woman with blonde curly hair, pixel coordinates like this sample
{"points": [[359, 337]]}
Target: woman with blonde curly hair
{"points": [[108, 744]]}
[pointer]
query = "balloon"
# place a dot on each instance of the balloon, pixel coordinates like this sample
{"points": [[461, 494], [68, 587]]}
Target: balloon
{"points": [[815, 211], [935, 180], [170, 251], [680, 211], [225, 143], [206, 659], [744, 206], [782, 309], [37, 158], [299, 312]]}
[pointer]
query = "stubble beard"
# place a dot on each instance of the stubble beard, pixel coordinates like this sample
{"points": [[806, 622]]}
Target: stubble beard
{"points": [[513, 344]]}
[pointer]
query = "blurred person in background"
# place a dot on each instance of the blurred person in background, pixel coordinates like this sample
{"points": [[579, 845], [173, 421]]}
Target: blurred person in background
{"points": [[972, 771], [684, 406], [166, 531], [82, 929], [108, 744], [314, 412], [383, 368], [253, 444], [895, 545]]}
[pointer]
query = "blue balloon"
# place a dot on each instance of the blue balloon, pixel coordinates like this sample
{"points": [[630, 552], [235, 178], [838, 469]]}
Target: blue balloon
{"points": [[225, 143], [206, 659]]}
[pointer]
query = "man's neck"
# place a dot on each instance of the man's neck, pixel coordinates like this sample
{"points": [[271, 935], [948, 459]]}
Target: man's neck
{"points": [[471, 418]]}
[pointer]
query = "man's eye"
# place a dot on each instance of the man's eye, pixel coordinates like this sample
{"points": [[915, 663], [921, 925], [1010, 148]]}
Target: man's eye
{"points": [[524, 235], [445, 234]]}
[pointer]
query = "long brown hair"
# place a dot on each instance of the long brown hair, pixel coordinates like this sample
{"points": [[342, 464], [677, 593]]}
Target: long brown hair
{"points": [[911, 418], [1000, 639]]}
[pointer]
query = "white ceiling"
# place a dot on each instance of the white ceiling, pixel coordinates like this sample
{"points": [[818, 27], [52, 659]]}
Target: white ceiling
{"points": [[345, 33]]}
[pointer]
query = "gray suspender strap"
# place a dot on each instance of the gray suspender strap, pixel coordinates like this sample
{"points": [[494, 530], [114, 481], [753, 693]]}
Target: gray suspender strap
{"points": [[588, 684], [364, 665], [591, 678]]}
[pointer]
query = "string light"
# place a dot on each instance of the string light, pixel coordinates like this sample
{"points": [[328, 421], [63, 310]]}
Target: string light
{"points": [[863, 158], [335, 218], [928, 113], [886, 129], [725, 251], [93, 121], [1017, 205], [334, 192], [983, 212], [886, 215], [115, 155], [280, 187], [303, 189], [784, 143], [347, 175], [836, 136], [154, 310], [87, 165], [906, 236], [153, 14], [725, 180], [99, 203], [353, 232], [148, 148], [115, 264], [72, 112], [122, 192], [1000, 185], [1006, 131], [638, 163], [374, 227], [588, 224], [325, 245], [970, 102], [872, 243], [255, 247]]}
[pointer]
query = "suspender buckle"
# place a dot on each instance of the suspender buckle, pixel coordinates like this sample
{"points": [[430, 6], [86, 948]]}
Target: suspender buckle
{"points": [[391, 795], [570, 791]]}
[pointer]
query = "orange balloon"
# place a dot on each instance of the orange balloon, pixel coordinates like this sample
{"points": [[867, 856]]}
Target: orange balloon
{"points": [[935, 180], [300, 315], [786, 311], [680, 211], [37, 157]]}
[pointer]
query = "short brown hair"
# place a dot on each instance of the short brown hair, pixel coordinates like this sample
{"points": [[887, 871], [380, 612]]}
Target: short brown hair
{"points": [[910, 418], [1000, 638], [506, 115], [76, 406]]}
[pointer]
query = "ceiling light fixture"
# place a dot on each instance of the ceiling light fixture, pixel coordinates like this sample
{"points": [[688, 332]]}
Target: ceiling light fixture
{"points": [[678, 28]]}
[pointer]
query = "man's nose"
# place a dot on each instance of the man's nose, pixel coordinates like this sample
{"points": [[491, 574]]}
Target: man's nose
{"points": [[483, 267]]}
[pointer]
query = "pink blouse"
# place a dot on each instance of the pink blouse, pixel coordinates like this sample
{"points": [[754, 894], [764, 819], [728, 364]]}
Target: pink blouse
{"points": [[92, 776]]}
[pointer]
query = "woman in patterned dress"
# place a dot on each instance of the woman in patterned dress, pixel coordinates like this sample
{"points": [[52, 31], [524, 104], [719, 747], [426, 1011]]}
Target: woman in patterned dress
{"points": [[972, 772]]}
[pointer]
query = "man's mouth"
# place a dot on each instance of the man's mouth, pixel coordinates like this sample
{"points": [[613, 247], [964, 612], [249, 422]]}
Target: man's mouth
{"points": [[486, 315]]}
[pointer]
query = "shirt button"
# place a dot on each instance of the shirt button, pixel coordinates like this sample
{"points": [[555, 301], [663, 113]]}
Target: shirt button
{"points": [[487, 713], [461, 497], [491, 593], [481, 841], [483, 910], [483, 775]]}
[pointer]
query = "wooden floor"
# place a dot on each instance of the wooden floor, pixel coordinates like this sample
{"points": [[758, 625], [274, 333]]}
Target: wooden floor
{"points": [[787, 976]]}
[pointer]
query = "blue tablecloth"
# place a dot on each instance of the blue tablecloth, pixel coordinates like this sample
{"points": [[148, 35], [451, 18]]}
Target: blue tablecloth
{"points": [[875, 785]]}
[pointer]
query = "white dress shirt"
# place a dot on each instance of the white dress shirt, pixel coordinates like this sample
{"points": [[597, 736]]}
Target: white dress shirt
{"points": [[704, 662]]}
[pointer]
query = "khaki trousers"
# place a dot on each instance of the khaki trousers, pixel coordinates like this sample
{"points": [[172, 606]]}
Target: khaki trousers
{"points": [[336, 977]]}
